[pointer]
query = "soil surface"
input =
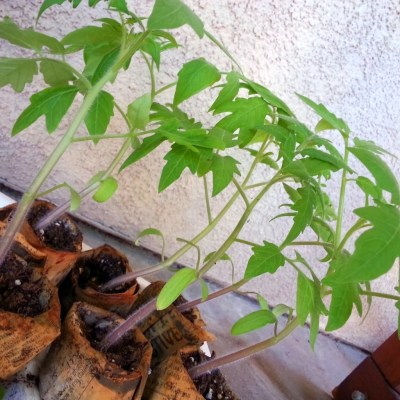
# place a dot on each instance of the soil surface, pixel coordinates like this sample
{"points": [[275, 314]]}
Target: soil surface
{"points": [[126, 353], [58, 234], [19, 292], [212, 386], [96, 271]]}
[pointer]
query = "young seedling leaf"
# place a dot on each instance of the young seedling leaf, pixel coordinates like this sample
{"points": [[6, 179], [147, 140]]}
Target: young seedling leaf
{"points": [[331, 120], [17, 72], [228, 92], [28, 38], [139, 111], [266, 258], [100, 113], [383, 175], [148, 145], [106, 189], [369, 188], [56, 73], [262, 302], [175, 287], [47, 4], [305, 209], [119, 5], [172, 14], [195, 76], [375, 250], [178, 158], [204, 289], [223, 169], [253, 321], [51, 102], [281, 309], [293, 194], [371, 146]]}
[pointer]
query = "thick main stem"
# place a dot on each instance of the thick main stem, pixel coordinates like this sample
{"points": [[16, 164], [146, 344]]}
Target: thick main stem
{"points": [[212, 364], [29, 196]]}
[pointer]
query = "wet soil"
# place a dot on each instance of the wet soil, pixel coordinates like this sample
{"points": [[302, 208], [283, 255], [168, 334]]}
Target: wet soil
{"points": [[96, 271], [59, 235], [126, 353], [20, 293], [212, 386]]}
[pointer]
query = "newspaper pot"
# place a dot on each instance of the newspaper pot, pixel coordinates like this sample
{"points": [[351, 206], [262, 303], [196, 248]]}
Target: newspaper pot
{"points": [[170, 380], [170, 330], [77, 369], [29, 314], [94, 268], [61, 240]]}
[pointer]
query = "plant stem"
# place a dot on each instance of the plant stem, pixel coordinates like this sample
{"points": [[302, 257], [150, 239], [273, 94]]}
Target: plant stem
{"points": [[30, 195], [164, 88], [381, 295], [311, 243], [358, 225], [207, 197], [190, 304], [215, 363], [342, 194]]}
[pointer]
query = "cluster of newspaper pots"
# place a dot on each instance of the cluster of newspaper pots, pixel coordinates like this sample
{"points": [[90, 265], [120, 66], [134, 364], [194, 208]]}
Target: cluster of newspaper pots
{"points": [[53, 317]]}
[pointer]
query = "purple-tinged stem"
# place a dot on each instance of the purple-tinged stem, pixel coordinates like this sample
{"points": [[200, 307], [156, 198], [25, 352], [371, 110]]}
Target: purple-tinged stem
{"points": [[138, 316], [190, 304], [218, 362]]}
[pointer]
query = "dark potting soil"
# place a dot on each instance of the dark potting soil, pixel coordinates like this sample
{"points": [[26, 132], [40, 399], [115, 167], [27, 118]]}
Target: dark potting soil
{"points": [[126, 353], [96, 271], [58, 234], [212, 386], [19, 292]]}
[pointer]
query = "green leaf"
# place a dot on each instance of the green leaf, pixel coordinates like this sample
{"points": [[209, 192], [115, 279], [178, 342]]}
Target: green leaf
{"points": [[139, 111], [369, 188], [47, 4], [51, 102], [266, 258], [100, 113], [28, 38], [228, 92], [253, 321], [195, 76], [292, 193], [105, 64], [268, 96], [262, 302], [151, 231], [204, 289], [94, 35], [119, 5], [321, 155], [371, 146], [17, 73], [106, 189], [331, 120], [223, 169], [178, 158], [2, 392], [172, 14], [307, 167], [281, 309], [149, 144], [175, 287], [343, 298], [56, 73], [94, 56], [375, 250], [305, 208], [382, 174]]}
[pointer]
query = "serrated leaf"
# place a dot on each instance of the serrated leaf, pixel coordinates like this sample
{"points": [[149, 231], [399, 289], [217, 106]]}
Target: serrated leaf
{"points": [[55, 73], [382, 174], [175, 287], [172, 14], [325, 114], [153, 48], [94, 35], [148, 145], [195, 76], [53, 103], [105, 64], [223, 169], [28, 38], [100, 113], [305, 209], [253, 321], [106, 189], [178, 158], [94, 56], [139, 111], [268, 96], [228, 92], [266, 258], [17, 73], [343, 298], [375, 250], [47, 4]]}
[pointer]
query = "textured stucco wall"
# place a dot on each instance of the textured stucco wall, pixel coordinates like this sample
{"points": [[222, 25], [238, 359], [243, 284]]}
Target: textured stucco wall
{"points": [[344, 54]]}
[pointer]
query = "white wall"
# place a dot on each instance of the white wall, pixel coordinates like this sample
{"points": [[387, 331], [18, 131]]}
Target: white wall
{"points": [[344, 54]]}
